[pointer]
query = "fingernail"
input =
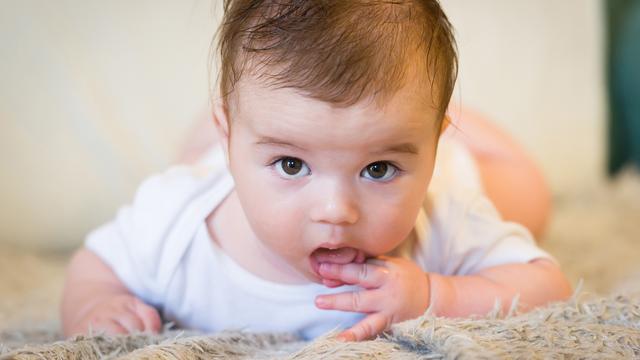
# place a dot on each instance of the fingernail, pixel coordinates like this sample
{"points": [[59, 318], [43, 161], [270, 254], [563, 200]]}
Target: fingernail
{"points": [[320, 301], [345, 337]]}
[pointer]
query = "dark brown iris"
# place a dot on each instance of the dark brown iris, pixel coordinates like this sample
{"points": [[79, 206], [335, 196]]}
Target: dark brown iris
{"points": [[291, 166], [377, 170]]}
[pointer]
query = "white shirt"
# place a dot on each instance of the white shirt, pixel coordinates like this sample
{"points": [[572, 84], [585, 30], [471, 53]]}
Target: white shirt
{"points": [[161, 250]]}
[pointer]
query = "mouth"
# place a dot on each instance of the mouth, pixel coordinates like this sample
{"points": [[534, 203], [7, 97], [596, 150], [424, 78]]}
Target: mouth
{"points": [[335, 255]]}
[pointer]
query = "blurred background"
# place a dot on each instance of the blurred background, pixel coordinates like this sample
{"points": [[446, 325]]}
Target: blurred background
{"points": [[97, 95]]}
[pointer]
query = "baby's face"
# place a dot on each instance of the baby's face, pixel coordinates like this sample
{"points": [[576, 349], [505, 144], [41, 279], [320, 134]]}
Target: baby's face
{"points": [[312, 177]]}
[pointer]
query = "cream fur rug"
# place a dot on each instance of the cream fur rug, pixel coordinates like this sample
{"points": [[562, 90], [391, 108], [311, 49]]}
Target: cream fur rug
{"points": [[602, 328], [595, 235]]}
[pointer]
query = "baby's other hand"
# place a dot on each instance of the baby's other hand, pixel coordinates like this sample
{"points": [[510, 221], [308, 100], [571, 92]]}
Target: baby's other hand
{"points": [[119, 314]]}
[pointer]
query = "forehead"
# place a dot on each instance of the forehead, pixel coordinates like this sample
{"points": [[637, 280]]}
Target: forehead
{"points": [[269, 111]]}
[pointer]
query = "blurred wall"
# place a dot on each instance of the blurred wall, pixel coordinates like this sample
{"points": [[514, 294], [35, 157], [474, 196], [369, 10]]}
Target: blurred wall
{"points": [[536, 67], [95, 95]]}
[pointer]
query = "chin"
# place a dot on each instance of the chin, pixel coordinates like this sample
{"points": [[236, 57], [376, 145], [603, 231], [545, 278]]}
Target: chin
{"points": [[313, 278]]}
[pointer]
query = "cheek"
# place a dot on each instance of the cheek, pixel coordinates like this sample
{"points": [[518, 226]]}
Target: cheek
{"points": [[388, 227], [391, 219], [275, 216]]}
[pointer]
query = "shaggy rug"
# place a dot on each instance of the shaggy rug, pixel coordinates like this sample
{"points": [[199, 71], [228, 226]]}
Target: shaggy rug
{"points": [[594, 234], [602, 328]]}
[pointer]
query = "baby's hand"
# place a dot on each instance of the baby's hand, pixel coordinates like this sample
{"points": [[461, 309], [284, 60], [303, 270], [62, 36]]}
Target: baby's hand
{"points": [[395, 289], [120, 314]]}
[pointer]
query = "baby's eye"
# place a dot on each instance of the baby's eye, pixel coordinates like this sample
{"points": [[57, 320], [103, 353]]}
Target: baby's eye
{"points": [[380, 170], [290, 167]]}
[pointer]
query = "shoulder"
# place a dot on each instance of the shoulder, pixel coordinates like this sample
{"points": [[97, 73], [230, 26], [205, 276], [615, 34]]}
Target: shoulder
{"points": [[161, 192], [169, 206], [164, 197], [455, 169], [456, 189], [465, 231], [469, 235], [179, 181], [146, 240]]}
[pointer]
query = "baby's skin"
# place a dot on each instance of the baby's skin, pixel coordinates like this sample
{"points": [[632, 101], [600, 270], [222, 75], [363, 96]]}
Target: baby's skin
{"points": [[347, 184], [395, 289], [96, 301]]}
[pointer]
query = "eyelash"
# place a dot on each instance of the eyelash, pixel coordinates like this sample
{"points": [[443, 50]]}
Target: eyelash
{"points": [[398, 170]]}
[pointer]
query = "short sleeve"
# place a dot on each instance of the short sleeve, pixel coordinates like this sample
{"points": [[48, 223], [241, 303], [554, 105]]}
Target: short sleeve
{"points": [[145, 240], [475, 237], [463, 232]]}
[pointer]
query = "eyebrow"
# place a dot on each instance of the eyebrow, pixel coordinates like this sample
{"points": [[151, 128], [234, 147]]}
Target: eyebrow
{"points": [[402, 148]]}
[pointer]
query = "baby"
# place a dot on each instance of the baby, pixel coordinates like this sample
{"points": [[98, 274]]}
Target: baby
{"points": [[322, 207]]}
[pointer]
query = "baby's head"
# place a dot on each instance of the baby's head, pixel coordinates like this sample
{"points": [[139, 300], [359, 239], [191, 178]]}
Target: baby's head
{"points": [[330, 113]]}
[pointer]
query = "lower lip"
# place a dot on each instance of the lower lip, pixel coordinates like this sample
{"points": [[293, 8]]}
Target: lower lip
{"points": [[315, 266]]}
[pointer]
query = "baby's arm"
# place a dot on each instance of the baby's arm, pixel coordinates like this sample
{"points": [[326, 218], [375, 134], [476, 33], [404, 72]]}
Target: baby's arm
{"points": [[537, 283], [95, 299], [396, 289]]}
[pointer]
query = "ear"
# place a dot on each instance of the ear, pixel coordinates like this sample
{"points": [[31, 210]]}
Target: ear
{"points": [[445, 123], [221, 121]]}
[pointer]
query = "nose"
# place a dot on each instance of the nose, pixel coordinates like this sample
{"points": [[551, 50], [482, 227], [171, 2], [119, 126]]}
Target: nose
{"points": [[335, 207]]}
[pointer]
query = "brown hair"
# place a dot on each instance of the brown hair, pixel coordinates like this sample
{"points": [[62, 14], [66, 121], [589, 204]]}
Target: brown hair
{"points": [[338, 51]]}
